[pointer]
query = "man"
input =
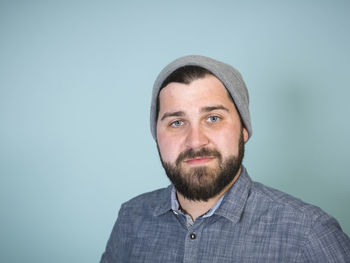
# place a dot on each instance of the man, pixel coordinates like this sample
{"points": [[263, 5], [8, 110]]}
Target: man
{"points": [[213, 211]]}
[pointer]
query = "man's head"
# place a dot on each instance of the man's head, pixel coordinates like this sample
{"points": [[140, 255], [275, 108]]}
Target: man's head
{"points": [[199, 132]]}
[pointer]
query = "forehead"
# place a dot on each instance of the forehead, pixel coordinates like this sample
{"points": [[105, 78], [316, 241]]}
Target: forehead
{"points": [[200, 92]]}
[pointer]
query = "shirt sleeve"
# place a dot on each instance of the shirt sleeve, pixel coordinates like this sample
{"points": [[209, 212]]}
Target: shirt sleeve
{"points": [[327, 242], [115, 245]]}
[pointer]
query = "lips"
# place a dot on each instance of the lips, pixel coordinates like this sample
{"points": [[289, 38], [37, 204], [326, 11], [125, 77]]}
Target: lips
{"points": [[199, 160]]}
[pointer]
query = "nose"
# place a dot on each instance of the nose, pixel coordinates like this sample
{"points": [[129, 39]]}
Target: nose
{"points": [[196, 138]]}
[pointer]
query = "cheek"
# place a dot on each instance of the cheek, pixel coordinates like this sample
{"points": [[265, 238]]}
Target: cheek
{"points": [[169, 149], [227, 142]]}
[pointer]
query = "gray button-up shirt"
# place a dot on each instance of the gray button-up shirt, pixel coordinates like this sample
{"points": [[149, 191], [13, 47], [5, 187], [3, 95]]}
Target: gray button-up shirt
{"points": [[253, 223]]}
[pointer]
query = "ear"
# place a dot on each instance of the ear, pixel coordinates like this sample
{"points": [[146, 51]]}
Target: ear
{"points": [[245, 135]]}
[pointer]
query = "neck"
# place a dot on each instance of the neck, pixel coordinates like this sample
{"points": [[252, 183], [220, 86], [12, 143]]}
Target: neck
{"points": [[198, 208]]}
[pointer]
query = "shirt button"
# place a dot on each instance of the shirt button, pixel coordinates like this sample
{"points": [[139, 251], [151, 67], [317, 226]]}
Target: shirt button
{"points": [[193, 236], [176, 213]]}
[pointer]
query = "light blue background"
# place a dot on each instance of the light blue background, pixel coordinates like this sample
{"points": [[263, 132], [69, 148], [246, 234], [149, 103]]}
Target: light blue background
{"points": [[75, 87]]}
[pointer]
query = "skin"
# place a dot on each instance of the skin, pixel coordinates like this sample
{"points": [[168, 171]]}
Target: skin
{"points": [[198, 115]]}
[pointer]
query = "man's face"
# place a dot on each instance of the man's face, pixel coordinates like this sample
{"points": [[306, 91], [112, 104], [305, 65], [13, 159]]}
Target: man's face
{"points": [[200, 137]]}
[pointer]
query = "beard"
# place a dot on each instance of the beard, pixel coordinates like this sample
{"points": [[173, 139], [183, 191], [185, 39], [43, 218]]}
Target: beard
{"points": [[202, 183]]}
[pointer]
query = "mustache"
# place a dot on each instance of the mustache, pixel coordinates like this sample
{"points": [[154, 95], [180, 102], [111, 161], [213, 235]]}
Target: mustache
{"points": [[204, 152]]}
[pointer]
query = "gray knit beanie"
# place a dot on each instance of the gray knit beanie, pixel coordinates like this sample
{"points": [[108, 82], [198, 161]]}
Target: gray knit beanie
{"points": [[229, 76]]}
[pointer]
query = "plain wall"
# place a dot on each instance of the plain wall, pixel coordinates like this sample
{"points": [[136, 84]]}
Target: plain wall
{"points": [[75, 89]]}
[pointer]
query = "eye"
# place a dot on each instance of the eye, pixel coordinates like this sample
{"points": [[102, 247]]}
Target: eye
{"points": [[176, 123], [213, 118]]}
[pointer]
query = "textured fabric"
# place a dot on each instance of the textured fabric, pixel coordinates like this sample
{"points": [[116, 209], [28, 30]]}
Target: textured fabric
{"points": [[253, 223], [228, 75]]}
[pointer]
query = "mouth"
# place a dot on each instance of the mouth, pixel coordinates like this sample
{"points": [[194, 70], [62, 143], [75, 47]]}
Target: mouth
{"points": [[199, 160]]}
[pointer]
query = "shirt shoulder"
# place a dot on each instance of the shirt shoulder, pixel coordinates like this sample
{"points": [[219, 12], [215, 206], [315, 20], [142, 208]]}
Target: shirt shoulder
{"points": [[319, 234], [268, 197]]}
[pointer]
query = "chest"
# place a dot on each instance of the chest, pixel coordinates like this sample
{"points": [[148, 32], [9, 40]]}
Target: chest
{"points": [[211, 240]]}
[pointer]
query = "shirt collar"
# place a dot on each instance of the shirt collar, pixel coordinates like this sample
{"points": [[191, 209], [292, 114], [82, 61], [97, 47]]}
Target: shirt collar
{"points": [[162, 204], [235, 199]]}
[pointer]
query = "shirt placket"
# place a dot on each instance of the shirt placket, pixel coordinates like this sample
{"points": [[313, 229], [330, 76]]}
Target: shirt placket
{"points": [[192, 240]]}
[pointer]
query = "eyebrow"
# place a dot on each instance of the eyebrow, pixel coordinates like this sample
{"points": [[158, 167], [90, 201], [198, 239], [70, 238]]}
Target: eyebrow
{"points": [[216, 107], [172, 114]]}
